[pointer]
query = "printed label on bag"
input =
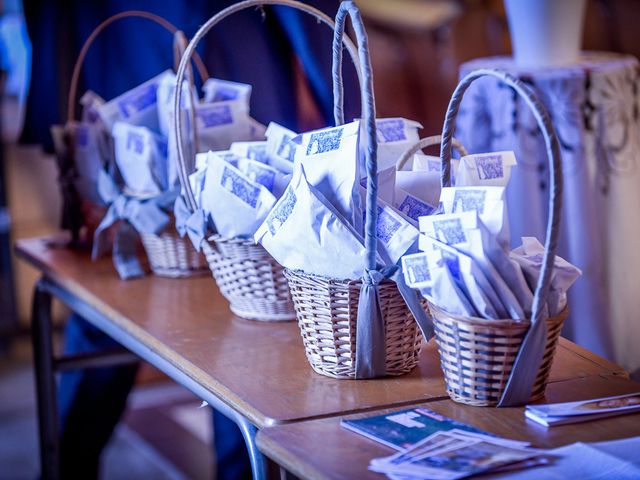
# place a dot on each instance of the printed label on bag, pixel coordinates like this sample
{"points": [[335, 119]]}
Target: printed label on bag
{"points": [[414, 208], [449, 231], [489, 167], [323, 142], [215, 115], [282, 211], [469, 200], [135, 142], [258, 153], [224, 93], [238, 186], [286, 149], [416, 268], [386, 225], [259, 174], [390, 130], [138, 101]]}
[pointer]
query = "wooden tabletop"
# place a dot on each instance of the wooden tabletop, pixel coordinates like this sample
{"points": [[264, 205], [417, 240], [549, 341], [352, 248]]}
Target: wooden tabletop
{"points": [[257, 368], [346, 455]]}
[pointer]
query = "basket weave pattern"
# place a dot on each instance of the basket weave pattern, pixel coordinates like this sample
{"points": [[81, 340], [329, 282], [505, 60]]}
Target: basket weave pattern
{"points": [[477, 355], [327, 310], [172, 256], [249, 278]]}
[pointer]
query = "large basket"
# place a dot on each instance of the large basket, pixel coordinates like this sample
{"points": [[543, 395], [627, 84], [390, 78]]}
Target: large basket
{"points": [[249, 278], [477, 355], [327, 311], [503, 362]]}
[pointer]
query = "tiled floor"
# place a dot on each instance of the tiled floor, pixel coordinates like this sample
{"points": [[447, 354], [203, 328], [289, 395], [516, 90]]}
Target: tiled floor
{"points": [[164, 435]]}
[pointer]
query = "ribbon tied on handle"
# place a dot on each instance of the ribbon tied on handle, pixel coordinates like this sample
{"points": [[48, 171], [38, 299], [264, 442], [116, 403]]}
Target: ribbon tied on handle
{"points": [[135, 215]]}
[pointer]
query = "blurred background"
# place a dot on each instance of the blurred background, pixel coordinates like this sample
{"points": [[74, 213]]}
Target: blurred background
{"points": [[417, 47]]}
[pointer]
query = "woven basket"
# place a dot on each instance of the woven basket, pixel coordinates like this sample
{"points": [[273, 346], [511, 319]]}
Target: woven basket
{"points": [[245, 273], [249, 278], [476, 355], [172, 256], [80, 213], [327, 311]]}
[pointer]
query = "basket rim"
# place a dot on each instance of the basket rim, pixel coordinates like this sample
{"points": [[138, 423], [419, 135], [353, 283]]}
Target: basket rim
{"points": [[348, 281], [216, 237], [498, 323]]}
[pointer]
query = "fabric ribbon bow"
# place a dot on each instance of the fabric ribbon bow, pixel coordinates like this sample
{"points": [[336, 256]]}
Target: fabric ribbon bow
{"points": [[136, 215], [193, 224], [370, 334]]}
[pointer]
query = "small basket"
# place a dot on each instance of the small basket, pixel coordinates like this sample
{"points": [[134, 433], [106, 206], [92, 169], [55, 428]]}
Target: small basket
{"points": [[249, 278], [476, 355], [80, 212], [327, 311], [172, 256], [479, 356]]}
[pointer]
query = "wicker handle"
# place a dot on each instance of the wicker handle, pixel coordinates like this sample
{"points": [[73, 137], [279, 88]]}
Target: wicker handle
{"points": [[555, 168], [73, 89], [428, 142], [368, 115], [204, 29]]}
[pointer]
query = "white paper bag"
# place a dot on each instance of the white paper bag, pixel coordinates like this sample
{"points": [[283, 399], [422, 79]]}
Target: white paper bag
{"points": [[236, 204], [141, 158], [280, 147], [485, 169], [330, 160], [304, 232], [217, 90]]}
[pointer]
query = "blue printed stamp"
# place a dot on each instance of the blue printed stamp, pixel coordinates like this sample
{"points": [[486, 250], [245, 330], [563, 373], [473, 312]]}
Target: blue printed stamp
{"points": [[325, 141], [390, 130], [138, 100], [238, 186], [135, 142], [215, 115], [224, 93], [414, 208], [282, 211], [469, 200], [386, 225], [229, 157], [449, 231], [262, 175], [258, 153], [417, 268], [286, 149], [489, 167]]}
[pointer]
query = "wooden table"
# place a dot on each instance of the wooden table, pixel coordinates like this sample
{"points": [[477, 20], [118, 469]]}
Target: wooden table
{"points": [[256, 373], [346, 455]]}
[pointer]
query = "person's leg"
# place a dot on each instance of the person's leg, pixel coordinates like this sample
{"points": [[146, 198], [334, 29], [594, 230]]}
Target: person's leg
{"points": [[90, 402], [232, 458]]}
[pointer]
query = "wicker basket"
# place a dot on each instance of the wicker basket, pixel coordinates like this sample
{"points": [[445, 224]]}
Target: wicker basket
{"points": [[81, 215], [172, 256], [246, 274], [480, 356], [327, 311], [476, 355], [249, 278]]}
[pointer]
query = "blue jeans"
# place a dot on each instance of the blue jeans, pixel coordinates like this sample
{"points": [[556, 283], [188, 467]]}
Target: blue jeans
{"points": [[92, 401]]}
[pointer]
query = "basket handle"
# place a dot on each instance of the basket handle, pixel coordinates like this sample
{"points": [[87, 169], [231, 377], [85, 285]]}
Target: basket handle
{"points": [[189, 51], [428, 142], [530, 354], [73, 89], [368, 116]]}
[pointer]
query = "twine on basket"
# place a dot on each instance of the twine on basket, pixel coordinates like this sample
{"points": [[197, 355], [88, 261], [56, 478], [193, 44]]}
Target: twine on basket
{"points": [[524, 371]]}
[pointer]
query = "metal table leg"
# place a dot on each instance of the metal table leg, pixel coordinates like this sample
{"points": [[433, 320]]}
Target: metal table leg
{"points": [[45, 383], [258, 461]]}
